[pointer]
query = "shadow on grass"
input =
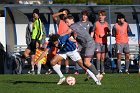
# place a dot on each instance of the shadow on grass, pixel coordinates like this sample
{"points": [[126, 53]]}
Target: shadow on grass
{"points": [[34, 82]]}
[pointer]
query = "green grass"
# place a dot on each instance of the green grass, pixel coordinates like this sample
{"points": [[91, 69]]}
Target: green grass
{"points": [[111, 83]]}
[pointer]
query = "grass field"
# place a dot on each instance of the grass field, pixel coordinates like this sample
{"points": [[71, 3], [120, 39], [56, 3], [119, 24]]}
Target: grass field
{"points": [[111, 83]]}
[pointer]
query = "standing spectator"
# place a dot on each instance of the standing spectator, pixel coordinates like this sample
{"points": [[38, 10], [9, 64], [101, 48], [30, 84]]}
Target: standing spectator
{"points": [[101, 31], [36, 37], [120, 32], [62, 27]]}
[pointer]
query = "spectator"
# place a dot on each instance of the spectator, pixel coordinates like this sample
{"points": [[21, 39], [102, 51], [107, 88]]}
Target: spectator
{"points": [[120, 32], [101, 31]]}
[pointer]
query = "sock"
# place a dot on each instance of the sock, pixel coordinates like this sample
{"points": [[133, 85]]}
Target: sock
{"points": [[102, 66], [32, 67], [98, 65], [93, 69], [127, 65], [57, 70], [77, 67], [119, 65], [92, 75], [38, 68]]}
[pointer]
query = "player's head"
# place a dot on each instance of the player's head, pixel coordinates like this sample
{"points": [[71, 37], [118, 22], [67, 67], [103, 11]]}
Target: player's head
{"points": [[64, 15], [120, 18], [69, 20], [54, 39], [36, 13], [84, 15], [102, 15]]}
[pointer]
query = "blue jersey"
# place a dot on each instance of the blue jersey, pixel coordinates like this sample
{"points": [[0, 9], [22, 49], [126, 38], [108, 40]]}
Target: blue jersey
{"points": [[65, 45]]}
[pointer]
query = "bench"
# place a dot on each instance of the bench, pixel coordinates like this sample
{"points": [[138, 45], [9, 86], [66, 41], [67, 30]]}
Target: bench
{"points": [[19, 48]]}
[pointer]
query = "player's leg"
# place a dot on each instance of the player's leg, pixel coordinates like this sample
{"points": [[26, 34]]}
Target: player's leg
{"points": [[98, 61], [39, 65], [103, 55], [119, 55], [102, 63], [75, 56], [67, 65], [127, 62], [98, 56], [127, 58], [54, 62]]}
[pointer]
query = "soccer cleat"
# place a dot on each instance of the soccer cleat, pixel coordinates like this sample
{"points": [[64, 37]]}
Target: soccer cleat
{"points": [[103, 73], [76, 73], [99, 77], [127, 72], [48, 72], [61, 80], [31, 72], [120, 71], [98, 83]]}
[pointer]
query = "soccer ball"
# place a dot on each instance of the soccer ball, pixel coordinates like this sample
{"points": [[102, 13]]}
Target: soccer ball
{"points": [[71, 80]]}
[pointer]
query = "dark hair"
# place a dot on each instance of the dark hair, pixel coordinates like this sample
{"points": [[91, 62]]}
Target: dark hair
{"points": [[61, 10], [36, 11], [120, 15], [102, 12], [53, 37], [85, 12], [69, 17]]}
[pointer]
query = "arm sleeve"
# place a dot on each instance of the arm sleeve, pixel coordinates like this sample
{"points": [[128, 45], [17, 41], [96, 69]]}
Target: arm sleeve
{"points": [[129, 31]]}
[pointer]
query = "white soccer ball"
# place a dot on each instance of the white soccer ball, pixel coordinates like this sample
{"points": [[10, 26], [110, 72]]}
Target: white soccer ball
{"points": [[71, 80]]}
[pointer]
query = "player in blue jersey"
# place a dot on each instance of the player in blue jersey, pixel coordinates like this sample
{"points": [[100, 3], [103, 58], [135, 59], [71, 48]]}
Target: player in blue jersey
{"points": [[65, 48]]}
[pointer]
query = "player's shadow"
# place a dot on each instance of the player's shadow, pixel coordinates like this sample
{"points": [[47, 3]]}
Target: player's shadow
{"points": [[34, 82]]}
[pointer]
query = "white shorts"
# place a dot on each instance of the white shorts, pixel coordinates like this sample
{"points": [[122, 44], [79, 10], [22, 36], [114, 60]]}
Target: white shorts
{"points": [[74, 55]]}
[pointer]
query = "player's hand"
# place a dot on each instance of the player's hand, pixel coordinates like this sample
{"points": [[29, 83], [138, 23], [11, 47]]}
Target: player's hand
{"points": [[64, 12]]}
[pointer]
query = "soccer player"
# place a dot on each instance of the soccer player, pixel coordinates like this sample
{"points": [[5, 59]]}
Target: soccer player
{"points": [[101, 31], [85, 42], [65, 48], [87, 25], [120, 31], [62, 27]]}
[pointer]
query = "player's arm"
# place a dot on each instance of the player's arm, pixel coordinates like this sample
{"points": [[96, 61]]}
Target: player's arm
{"points": [[55, 15], [93, 31], [42, 55]]}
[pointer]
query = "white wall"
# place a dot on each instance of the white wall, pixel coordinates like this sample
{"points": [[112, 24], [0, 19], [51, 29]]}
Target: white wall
{"points": [[2, 31]]}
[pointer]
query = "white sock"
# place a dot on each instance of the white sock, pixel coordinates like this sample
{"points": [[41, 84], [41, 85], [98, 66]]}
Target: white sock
{"points": [[32, 67], [92, 75], [139, 69], [58, 71], [38, 68]]}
